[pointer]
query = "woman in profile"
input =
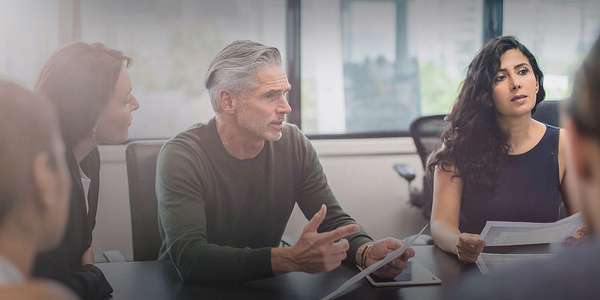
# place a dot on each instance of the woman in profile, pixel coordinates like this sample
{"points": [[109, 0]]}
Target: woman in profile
{"points": [[496, 162], [90, 87]]}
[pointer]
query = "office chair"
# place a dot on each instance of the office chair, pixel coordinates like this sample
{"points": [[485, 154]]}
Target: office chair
{"points": [[141, 176], [548, 111], [425, 132]]}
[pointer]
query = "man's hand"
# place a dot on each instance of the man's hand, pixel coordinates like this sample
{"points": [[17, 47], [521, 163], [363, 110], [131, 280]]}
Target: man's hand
{"points": [[379, 249], [468, 247], [314, 252]]}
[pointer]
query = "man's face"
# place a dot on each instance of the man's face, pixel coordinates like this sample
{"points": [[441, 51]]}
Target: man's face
{"points": [[261, 110]]}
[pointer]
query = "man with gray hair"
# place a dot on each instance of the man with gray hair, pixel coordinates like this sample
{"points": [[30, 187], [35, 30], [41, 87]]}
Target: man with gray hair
{"points": [[226, 189]]}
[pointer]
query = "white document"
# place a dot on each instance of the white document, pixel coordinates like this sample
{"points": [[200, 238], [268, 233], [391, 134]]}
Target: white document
{"points": [[374, 267], [491, 262], [523, 233]]}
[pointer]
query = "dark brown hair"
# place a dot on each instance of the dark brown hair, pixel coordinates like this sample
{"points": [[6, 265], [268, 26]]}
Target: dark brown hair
{"points": [[474, 143], [79, 79], [28, 127]]}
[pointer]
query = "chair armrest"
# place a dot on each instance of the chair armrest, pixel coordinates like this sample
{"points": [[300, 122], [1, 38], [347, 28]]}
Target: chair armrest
{"points": [[113, 256], [405, 171]]}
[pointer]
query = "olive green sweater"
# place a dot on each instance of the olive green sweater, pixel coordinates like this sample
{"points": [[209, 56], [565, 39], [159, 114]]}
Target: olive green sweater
{"points": [[220, 216]]}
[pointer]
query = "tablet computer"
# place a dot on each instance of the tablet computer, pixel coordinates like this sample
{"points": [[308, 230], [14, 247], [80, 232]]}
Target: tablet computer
{"points": [[414, 274]]}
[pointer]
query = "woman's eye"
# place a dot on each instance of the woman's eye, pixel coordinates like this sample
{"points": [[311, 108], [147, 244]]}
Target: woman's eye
{"points": [[499, 78], [523, 71]]}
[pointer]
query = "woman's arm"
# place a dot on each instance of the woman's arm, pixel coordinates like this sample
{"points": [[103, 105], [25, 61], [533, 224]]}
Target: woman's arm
{"points": [[447, 191]]}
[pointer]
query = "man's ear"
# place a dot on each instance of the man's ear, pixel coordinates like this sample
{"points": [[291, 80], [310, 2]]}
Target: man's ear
{"points": [[43, 179], [580, 150], [227, 101]]}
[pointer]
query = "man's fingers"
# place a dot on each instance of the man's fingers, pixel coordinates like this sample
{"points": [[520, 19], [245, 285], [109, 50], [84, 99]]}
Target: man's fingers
{"points": [[388, 271], [410, 252], [393, 244], [340, 256], [341, 246], [398, 264], [338, 233], [316, 220]]}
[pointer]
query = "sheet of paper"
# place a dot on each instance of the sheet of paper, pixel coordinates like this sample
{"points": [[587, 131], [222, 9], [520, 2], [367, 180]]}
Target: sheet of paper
{"points": [[491, 262], [374, 267], [522, 233]]}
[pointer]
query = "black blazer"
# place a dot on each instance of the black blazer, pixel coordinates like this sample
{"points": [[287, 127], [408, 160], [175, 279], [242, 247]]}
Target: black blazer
{"points": [[64, 262]]}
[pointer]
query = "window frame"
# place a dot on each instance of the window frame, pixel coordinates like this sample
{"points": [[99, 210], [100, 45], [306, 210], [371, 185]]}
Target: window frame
{"points": [[492, 27]]}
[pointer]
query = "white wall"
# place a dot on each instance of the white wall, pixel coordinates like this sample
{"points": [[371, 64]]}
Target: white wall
{"points": [[359, 172]]}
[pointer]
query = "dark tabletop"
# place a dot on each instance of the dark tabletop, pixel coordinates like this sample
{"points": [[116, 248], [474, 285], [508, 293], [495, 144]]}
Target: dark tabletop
{"points": [[159, 280]]}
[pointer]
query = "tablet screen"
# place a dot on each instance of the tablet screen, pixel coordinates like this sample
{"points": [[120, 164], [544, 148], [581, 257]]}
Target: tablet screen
{"points": [[414, 274], [406, 275]]}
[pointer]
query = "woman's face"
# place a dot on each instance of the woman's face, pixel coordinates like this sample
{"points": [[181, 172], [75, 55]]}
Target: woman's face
{"points": [[515, 86], [113, 124]]}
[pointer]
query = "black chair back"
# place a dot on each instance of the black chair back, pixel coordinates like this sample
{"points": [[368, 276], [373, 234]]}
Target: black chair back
{"points": [[426, 133], [141, 176], [548, 111]]}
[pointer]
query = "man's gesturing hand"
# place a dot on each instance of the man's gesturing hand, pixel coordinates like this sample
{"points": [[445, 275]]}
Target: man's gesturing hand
{"points": [[314, 252]]}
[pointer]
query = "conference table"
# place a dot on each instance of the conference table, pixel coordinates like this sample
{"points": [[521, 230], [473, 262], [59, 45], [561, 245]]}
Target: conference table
{"points": [[159, 280]]}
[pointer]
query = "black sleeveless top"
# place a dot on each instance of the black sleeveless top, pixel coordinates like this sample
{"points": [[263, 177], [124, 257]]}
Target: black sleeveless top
{"points": [[527, 189]]}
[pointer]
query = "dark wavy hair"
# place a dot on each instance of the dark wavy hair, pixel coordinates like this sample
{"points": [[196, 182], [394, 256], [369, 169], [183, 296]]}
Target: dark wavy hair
{"points": [[473, 143]]}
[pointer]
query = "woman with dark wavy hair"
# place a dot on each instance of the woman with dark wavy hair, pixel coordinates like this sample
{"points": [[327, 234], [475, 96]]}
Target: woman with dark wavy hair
{"points": [[497, 162]]}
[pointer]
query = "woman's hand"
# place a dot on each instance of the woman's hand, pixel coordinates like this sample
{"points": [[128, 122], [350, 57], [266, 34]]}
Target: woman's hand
{"points": [[468, 247], [578, 237]]}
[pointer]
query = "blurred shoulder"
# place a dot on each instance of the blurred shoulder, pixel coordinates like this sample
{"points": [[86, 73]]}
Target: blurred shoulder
{"points": [[38, 289]]}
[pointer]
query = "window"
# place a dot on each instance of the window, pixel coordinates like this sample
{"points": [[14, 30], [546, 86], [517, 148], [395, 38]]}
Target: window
{"points": [[367, 66], [374, 66], [30, 33], [559, 33], [172, 44]]}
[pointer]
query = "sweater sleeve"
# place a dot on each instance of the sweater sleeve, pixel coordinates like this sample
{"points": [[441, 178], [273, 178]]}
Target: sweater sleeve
{"points": [[180, 186], [313, 191]]}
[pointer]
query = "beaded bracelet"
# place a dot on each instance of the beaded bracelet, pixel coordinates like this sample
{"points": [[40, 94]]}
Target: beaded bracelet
{"points": [[364, 255]]}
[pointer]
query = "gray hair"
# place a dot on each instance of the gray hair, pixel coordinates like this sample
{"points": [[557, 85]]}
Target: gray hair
{"points": [[234, 66]]}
